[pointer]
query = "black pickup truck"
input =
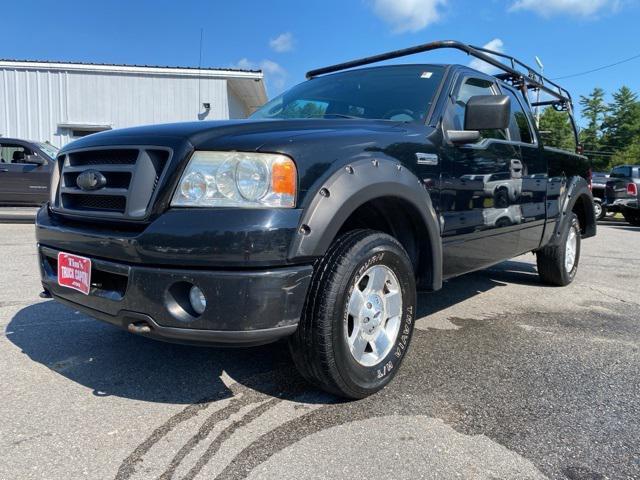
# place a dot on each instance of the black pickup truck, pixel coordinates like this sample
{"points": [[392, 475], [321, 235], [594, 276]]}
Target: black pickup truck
{"points": [[319, 217], [621, 194], [25, 169]]}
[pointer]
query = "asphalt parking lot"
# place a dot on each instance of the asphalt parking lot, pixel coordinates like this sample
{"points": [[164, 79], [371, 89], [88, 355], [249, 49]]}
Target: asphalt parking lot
{"points": [[506, 378]]}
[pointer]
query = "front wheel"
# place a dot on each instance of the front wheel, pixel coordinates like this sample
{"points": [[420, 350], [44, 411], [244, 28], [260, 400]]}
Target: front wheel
{"points": [[558, 264], [359, 314]]}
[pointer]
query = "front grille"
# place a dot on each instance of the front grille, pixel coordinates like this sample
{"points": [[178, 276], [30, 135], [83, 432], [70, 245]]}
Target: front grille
{"points": [[115, 156], [131, 178], [110, 203]]}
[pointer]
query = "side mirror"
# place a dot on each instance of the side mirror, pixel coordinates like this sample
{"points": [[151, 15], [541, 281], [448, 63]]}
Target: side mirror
{"points": [[38, 160], [487, 112]]}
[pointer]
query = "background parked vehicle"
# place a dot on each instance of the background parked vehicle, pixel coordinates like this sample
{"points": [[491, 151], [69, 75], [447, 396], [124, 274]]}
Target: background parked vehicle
{"points": [[598, 187], [25, 168], [622, 192]]}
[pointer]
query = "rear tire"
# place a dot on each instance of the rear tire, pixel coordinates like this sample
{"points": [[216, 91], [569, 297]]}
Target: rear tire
{"points": [[599, 209], [558, 264], [359, 314]]}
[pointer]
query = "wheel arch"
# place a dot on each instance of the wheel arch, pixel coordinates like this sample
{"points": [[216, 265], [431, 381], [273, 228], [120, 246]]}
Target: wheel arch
{"points": [[382, 186], [579, 200]]}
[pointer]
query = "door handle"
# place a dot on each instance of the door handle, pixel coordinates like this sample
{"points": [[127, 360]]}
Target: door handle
{"points": [[4, 169], [427, 158]]}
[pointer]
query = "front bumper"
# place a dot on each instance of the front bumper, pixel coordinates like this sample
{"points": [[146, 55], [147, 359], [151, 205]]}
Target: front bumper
{"points": [[244, 307]]}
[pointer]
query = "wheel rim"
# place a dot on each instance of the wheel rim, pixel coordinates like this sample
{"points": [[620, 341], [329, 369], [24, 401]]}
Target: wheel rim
{"points": [[374, 315], [570, 250], [598, 209]]}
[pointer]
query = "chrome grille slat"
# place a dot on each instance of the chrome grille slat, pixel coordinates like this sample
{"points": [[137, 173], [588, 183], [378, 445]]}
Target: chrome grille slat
{"points": [[132, 176], [101, 168], [103, 191]]}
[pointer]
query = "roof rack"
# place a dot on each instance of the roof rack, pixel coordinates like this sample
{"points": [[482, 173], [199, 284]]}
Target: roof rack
{"points": [[515, 72]]}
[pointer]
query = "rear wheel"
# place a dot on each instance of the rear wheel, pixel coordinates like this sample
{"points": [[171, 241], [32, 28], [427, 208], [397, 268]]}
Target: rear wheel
{"points": [[359, 315], [558, 264], [599, 209]]}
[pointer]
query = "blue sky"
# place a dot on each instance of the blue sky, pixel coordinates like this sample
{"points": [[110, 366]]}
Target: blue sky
{"points": [[286, 37]]}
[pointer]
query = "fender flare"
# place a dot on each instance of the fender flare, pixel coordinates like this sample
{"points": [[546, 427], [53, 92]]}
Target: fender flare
{"points": [[576, 188], [351, 187]]}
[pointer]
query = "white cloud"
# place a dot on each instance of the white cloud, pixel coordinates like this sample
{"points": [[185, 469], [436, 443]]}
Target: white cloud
{"points": [[408, 15], [275, 75], [282, 43], [496, 45], [577, 8]]}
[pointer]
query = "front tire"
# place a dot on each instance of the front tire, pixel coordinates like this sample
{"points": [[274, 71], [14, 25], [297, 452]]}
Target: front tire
{"points": [[558, 264], [358, 318]]}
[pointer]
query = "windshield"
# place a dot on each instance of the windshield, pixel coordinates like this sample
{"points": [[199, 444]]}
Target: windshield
{"points": [[402, 93], [48, 149]]}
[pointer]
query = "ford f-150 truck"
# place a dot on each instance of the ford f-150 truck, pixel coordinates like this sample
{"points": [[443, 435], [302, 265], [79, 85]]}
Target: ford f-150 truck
{"points": [[319, 217]]}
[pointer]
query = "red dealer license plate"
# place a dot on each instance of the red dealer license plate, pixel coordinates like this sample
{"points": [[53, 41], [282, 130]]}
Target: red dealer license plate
{"points": [[74, 272]]}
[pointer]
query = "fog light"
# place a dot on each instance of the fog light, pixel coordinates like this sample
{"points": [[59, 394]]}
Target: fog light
{"points": [[198, 300]]}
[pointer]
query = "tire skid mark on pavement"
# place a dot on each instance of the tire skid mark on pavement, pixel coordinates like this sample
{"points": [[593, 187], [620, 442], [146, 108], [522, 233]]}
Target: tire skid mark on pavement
{"points": [[127, 467], [235, 406], [291, 432], [296, 425], [283, 412], [241, 397], [226, 434]]}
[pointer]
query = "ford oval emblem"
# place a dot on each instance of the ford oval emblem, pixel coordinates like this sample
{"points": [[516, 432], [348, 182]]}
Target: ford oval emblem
{"points": [[91, 180]]}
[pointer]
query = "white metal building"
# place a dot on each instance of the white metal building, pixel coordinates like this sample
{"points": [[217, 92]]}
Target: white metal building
{"points": [[58, 102]]}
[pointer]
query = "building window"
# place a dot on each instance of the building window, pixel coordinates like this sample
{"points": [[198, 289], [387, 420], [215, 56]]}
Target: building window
{"points": [[79, 132]]}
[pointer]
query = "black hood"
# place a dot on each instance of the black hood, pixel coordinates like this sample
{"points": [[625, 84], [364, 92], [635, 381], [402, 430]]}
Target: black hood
{"points": [[236, 134], [318, 146]]}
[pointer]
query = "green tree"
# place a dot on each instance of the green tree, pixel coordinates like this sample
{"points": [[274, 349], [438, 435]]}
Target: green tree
{"points": [[556, 129], [628, 156], [594, 109], [622, 123]]}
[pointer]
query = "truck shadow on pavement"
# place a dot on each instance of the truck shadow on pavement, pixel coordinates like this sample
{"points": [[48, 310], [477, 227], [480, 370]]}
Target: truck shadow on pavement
{"points": [[113, 362]]}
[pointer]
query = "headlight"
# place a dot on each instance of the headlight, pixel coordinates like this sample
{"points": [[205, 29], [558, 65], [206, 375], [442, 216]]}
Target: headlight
{"points": [[237, 179]]}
